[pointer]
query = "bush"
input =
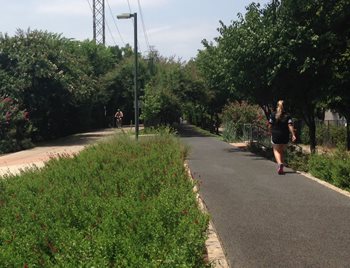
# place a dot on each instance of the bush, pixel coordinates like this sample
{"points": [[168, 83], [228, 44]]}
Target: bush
{"points": [[232, 131], [334, 168], [236, 114], [341, 169], [296, 159], [118, 204], [15, 128], [328, 135], [321, 167], [57, 79]]}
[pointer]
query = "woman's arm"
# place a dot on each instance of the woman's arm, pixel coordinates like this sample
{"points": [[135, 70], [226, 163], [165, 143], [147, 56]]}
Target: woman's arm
{"points": [[269, 128], [269, 123], [292, 131]]}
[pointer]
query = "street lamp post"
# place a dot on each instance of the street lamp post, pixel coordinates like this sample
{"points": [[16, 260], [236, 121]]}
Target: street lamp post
{"points": [[128, 16]]}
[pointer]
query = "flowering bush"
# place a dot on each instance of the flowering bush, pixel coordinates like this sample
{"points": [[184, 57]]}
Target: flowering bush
{"points": [[15, 127], [236, 114]]}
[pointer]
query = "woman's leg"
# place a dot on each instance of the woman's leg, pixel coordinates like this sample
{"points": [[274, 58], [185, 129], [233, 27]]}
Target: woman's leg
{"points": [[283, 149], [278, 152]]}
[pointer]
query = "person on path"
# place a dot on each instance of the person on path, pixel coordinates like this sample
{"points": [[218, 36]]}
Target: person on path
{"points": [[119, 118], [280, 125]]}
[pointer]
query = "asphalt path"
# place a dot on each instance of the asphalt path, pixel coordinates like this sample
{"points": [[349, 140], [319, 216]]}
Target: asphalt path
{"points": [[264, 219]]}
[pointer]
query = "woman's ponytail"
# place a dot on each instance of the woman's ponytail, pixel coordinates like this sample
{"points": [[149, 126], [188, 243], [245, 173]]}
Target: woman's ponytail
{"points": [[279, 109]]}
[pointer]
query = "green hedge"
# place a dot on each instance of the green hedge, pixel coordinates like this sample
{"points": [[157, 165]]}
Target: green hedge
{"points": [[334, 168], [118, 204]]}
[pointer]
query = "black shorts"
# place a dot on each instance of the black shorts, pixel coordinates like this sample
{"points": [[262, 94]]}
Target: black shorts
{"points": [[279, 139]]}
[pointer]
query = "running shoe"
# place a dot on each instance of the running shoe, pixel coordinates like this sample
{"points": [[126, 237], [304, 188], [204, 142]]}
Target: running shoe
{"points": [[280, 169]]}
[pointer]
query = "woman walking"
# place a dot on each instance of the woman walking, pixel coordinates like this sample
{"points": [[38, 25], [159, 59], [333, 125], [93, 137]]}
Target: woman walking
{"points": [[280, 125]]}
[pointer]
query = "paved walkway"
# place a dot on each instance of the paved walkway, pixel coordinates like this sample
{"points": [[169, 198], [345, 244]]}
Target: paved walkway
{"points": [[265, 219], [15, 162]]}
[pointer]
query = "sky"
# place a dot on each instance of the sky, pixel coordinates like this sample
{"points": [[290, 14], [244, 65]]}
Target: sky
{"points": [[175, 28]]}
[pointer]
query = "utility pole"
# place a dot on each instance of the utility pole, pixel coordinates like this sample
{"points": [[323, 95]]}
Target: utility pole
{"points": [[99, 21], [136, 99]]}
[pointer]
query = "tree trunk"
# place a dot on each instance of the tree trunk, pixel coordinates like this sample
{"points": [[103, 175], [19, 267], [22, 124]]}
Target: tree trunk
{"points": [[312, 134], [309, 117], [217, 124], [347, 134], [267, 110]]}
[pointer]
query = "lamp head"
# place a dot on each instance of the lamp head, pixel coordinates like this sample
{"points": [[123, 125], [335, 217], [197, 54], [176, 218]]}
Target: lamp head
{"points": [[125, 16]]}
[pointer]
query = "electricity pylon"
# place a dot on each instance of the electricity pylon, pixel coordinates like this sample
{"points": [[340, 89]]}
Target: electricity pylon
{"points": [[99, 21]]}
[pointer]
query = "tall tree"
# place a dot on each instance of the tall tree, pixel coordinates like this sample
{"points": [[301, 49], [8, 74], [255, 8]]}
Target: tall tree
{"points": [[246, 57], [218, 92], [338, 20], [53, 78], [307, 49], [163, 93]]}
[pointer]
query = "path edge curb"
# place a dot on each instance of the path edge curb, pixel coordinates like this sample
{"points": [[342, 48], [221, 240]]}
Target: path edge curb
{"points": [[324, 183], [215, 252]]}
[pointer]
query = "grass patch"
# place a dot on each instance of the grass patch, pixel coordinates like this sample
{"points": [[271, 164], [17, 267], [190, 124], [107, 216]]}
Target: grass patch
{"points": [[121, 203]]}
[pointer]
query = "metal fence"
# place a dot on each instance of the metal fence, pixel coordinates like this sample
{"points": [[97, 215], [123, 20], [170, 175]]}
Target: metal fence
{"points": [[329, 133], [256, 134], [338, 123], [260, 136]]}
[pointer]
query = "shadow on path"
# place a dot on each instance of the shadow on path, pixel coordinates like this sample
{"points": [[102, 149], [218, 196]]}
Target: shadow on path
{"points": [[79, 139], [185, 130]]}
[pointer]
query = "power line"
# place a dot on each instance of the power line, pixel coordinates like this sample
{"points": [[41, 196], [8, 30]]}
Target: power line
{"points": [[109, 29], [115, 23], [89, 5], [129, 6], [143, 25], [110, 32], [138, 43]]}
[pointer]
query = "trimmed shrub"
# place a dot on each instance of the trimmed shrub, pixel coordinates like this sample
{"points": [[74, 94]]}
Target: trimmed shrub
{"points": [[341, 169], [296, 159], [320, 166], [15, 128], [334, 168], [118, 204]]}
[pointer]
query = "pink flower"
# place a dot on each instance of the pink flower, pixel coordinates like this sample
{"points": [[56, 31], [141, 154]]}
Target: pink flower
{"points": [[7, 100], [8, 116], [26, 115]]}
